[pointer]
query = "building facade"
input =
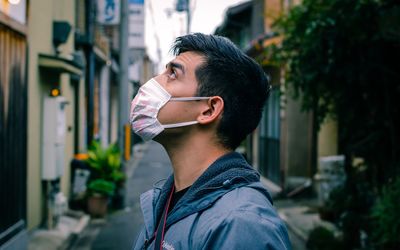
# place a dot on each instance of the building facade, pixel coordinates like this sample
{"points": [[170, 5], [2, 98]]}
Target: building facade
{"points": [[286, 145], [59, 88]]}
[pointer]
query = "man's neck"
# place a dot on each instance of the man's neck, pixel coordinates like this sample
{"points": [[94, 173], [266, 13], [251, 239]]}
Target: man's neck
{"points": [[191, 158]]}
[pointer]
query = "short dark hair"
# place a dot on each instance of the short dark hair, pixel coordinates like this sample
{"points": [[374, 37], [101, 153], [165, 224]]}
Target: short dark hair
{"points": [[235, 77]]}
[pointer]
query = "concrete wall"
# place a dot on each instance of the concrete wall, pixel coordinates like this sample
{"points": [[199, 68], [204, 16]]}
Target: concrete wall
{"points": [[328, 138], [39, 29], [40, 20], [272, 10], [299, 139]]}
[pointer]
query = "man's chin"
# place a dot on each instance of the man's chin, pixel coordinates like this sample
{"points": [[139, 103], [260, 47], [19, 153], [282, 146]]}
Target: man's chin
{"points": [[161, 138], [167, 137]]}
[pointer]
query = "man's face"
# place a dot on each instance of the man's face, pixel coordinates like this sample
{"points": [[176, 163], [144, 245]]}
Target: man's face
{"points": [[179, 80]]}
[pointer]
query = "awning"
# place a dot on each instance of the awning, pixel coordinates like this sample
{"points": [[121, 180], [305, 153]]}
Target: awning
{"points": [[261, 42], [236, 16], [60, 64], [258, 48]]}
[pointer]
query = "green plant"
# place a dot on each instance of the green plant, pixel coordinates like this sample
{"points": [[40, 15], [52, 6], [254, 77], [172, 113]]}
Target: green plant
{"points": [[386, 217], [105, 163], [102, 187], [321, 238]]}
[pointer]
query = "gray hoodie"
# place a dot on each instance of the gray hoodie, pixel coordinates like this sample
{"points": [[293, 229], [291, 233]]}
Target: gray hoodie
{"points": [[226, 208]]}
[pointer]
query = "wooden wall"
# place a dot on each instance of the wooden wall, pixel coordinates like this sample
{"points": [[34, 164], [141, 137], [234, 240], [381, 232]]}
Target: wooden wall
{"points": [[13, 136]]}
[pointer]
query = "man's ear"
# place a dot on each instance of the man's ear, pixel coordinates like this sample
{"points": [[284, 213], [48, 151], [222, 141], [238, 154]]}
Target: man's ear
{"points": [[212, 111]]}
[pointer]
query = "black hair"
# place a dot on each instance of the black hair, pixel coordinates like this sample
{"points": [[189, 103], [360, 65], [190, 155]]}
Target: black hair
{"points": [[235, 77]]}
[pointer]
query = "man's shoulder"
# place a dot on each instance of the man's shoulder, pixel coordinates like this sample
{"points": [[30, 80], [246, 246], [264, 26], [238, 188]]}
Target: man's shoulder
{"points": [[243, 201], [254, 194], [242, 214]]}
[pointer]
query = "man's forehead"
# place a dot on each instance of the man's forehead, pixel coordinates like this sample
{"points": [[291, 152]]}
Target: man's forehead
{"points": [[189, 59]]}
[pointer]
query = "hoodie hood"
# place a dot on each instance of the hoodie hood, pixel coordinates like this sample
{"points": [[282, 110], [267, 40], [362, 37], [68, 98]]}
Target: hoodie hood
{"points": [[226, 173]]}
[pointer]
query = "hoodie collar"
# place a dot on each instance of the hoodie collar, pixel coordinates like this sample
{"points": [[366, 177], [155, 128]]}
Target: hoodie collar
{"points": [[226, 173]]}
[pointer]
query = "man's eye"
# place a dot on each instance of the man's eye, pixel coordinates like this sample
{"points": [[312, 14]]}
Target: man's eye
{"points": [[172, 74]]}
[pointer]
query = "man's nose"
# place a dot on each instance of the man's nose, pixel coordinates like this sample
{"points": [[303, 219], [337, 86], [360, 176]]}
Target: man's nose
{"points": [[159, 78]]}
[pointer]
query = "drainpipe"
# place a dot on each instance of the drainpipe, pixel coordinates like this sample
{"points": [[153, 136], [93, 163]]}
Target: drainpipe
{"points": [[90, 66]]}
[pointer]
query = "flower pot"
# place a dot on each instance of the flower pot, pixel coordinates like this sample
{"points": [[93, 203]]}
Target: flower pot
{"points": [[97, 205]]}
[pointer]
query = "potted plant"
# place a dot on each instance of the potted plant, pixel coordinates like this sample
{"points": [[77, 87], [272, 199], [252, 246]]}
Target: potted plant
{"points": [[99, 193], [106, 176]]}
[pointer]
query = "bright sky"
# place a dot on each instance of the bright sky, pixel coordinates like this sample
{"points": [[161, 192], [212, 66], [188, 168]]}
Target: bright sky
{"points": [[163, 24]]}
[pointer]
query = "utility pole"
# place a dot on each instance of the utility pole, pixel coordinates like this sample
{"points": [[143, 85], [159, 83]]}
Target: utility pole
{"points": [[188, 17], [123, 104], [123, 98]]}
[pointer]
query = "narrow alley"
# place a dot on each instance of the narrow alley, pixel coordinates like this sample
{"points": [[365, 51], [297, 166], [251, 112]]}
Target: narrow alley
{"points": [[319, 102]]}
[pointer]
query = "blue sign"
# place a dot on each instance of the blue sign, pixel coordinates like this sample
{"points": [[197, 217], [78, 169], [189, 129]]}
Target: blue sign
{"points": [[108, 11], [136, 1]]}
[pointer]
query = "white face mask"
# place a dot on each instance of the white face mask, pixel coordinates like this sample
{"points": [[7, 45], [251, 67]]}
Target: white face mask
{"points": [[150, 98]]}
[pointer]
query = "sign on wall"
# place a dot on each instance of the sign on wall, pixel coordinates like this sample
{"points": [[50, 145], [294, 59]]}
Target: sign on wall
{"points": [[16, 9], [108, 12], [136, 24]]}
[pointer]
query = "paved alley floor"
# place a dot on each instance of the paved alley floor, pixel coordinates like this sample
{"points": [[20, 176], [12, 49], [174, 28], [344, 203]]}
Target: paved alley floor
{"points": [[119, 231]]}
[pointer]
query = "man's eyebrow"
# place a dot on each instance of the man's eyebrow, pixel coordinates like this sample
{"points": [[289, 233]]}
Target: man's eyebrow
{"points": [[176, 65]]}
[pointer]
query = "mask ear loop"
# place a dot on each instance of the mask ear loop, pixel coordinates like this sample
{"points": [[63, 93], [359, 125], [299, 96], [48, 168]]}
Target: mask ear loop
{"points": [[181, 99], [193, 98], [181, 124]]}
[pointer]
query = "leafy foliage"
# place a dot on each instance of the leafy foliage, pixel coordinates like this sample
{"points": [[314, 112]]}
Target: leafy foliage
{"points": [[386, 217], [341, 59], [101, 186], [105, 163], [321, 238], [106, 174]]}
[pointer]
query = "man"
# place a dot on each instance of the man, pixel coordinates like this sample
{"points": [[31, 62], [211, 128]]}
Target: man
{"points": [[209, 98]]}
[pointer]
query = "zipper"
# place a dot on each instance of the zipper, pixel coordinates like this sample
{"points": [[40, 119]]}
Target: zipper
{"points": [[148, 241], [146, 244]]}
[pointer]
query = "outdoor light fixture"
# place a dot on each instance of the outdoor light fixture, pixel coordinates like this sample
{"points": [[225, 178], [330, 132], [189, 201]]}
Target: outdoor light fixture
{"points": [[61, 30], [14, 1], [55, 92]]}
